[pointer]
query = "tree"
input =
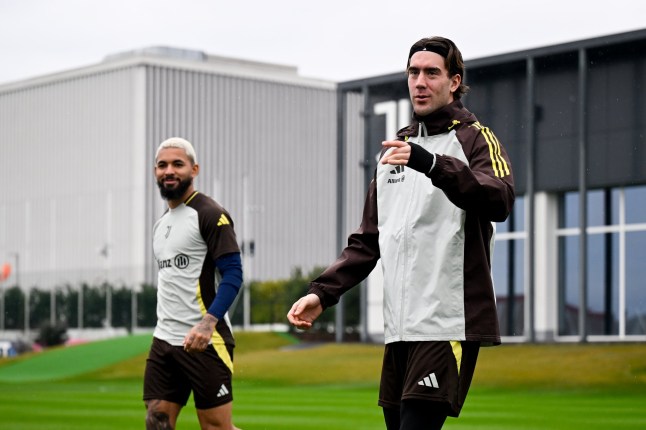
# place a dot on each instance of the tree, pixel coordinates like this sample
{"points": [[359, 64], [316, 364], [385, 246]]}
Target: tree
{"points": [[271, 300], [14, 308], [147, 306], [52, 334]]}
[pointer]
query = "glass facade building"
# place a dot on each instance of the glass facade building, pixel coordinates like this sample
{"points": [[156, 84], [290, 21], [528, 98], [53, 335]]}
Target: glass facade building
{"points": [[616, 272]]}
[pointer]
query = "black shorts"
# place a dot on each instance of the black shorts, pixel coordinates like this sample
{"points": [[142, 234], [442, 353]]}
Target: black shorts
{"points": [[172, 373], [438, 371]]}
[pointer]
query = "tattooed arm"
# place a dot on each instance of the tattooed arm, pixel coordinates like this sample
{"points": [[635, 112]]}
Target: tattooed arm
{"points": [[199, 336]]}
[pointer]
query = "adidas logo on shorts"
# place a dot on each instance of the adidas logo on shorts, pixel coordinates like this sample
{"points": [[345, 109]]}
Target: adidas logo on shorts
{"points": [[223, 391], [429, 381]]}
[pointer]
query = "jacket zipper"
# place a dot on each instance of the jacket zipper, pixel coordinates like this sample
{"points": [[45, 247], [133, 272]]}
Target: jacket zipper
{"points": [[406, 236]]}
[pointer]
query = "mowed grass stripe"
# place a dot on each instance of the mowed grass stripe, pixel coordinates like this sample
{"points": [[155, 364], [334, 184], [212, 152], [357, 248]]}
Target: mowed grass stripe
{"points": [[64, 362], [563, 366], [70, 405], [320, 407], [549, 409], [97, 406]]}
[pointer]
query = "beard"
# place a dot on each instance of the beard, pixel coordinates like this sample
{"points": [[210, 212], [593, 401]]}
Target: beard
{"points": [[174, 193]]}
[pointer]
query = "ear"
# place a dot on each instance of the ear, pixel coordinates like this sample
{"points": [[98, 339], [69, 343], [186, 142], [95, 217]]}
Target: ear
{"points": [[195, 170], [456, 80]]}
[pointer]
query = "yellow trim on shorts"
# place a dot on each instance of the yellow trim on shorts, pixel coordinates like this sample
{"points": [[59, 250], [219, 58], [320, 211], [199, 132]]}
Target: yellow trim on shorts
{"points": [[222, 351], [216, 338], [456, 346]]}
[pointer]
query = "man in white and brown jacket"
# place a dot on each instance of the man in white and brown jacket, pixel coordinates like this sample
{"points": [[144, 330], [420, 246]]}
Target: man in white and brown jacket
{"points": [[429, 216]]}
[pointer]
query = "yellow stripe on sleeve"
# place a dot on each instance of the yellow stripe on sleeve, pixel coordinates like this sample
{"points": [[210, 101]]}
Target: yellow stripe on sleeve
{"points": [[498, 163], [499, 154]]}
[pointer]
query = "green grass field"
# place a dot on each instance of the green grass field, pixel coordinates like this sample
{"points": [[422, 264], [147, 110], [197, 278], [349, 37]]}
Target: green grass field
{"points": [[98, 386]]}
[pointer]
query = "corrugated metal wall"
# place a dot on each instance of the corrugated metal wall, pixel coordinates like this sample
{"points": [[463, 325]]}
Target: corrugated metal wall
{"points": [[355, 193], [76, 158], [66, 165], [276, 137]]}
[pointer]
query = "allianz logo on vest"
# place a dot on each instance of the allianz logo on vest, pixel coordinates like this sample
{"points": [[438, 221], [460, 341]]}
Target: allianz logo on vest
{"points": [[180, 261]]}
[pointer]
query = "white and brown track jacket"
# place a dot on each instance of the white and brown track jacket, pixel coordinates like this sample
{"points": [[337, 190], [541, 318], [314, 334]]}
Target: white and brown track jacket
{"points": [[433, 232]]}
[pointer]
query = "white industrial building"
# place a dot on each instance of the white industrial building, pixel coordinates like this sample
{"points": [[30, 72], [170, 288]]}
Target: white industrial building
{"points": [[77, 151]]}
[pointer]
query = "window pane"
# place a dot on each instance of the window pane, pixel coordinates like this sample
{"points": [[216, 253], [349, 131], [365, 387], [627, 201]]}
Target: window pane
{"points": [[504, 227], [599, 213], [518, 313], [635, 205], [519, 214], [635, 283], [603, 284], [616, 193], [568, 285], [500, 268], [569, 210], [596, 208], [516, 219], [508, 275]]}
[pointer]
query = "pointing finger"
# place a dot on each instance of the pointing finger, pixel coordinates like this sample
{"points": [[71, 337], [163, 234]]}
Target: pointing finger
{"points": [[393, 144]]}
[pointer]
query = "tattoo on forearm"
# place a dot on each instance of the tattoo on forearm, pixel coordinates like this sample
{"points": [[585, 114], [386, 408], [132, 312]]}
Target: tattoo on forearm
{"points": [[205, 326]]}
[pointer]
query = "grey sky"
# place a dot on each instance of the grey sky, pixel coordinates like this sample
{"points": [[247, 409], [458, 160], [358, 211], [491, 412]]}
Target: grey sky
{"points": [[333, 40]]}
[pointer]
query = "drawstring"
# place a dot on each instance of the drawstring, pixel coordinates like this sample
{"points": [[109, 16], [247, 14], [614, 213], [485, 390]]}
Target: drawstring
{"points": [[422, 126]]}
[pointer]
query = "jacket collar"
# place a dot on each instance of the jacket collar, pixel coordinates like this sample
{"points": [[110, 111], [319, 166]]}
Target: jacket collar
{"points": [[440, 121]]}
